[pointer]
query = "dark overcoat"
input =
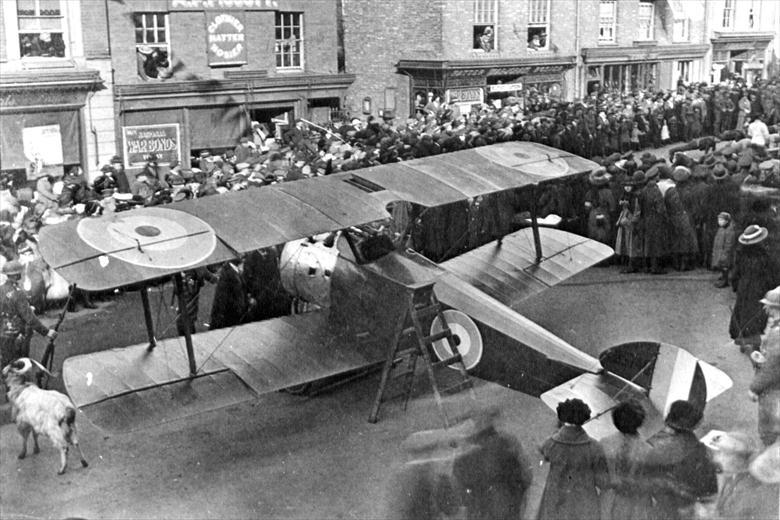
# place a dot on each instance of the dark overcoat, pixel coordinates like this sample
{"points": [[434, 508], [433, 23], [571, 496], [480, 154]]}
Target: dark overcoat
{"points": [[654, 221], [754, 273], [681, 472], [578, 471], [231, 303]]}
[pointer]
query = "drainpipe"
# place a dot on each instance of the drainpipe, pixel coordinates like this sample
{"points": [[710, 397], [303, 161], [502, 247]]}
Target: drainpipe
{"points": [[578, 68]]}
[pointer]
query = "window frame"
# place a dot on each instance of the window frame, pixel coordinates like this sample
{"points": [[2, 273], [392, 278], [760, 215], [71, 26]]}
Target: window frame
{"points": [[684, 35], [166, 45], [278, 41], [485, 15], [612, 27], [648, 34], [15, 34], [727, 20], [535, 24]]}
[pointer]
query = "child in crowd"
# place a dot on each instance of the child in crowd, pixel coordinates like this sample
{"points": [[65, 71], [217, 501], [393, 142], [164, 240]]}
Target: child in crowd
{"points": [[723, 248]]}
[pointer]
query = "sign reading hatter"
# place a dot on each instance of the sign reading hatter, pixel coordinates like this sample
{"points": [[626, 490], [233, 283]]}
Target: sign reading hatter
{"points": [[140, 142], [225, 38]]}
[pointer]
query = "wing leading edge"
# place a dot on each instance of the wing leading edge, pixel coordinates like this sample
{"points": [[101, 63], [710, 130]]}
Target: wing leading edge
{"points": [[253, 219], [132, 387]]}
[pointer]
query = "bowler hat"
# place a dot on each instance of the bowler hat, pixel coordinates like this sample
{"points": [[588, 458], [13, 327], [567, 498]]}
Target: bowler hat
{"points": [[105, 168], [772, 298], [753, 234], [637, 179], [683, 416], [652, 172], [115, 159], [12, 268], [719, 172], [599, 177], [681, 174]]}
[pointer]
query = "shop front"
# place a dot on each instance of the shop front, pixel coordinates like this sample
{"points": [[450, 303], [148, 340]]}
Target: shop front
{"points": [[42, 125], [467, 83], [650, 67], [177, 120], [740, 54]]}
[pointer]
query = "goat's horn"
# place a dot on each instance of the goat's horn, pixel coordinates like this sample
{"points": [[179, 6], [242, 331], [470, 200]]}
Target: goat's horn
{"points": [[43, 368], [26, 365]]}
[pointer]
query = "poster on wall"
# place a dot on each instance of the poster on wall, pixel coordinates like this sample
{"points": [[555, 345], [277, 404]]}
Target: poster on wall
{"points": [[225, 38], [140, 142], [43, 150]]}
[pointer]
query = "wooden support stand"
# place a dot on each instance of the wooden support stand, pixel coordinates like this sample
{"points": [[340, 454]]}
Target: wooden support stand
{"points": [[400, 364]]}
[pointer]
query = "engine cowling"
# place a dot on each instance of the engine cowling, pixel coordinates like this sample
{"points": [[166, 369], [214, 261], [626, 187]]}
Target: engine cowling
{"points": [[306, 268]]}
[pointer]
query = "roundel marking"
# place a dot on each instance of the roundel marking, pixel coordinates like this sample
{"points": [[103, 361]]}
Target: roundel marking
{"points": [[467, 338], [151, 237]]}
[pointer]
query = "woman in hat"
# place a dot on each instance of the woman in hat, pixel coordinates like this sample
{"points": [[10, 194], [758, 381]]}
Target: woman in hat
{"points": [[629, 240], [678, 465], [654, 220], [754, 273], [600, 206], [628, 496], [578, 467], [682, 243]]}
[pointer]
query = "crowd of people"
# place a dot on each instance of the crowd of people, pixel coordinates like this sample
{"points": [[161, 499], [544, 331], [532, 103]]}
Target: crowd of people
{"points": [[712, 203], [479, 471]]}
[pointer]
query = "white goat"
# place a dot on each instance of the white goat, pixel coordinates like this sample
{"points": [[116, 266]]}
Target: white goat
{"points": [[42, 412]]}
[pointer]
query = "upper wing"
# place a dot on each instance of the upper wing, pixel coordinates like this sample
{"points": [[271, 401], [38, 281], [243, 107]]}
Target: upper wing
{"points": [[131, 387], [130, 247], [508, 270]]}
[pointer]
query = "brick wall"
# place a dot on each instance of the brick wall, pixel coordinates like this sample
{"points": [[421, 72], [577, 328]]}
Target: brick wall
{"points": [[3, 51], [93, 22], [188, 41], [377, 35]]}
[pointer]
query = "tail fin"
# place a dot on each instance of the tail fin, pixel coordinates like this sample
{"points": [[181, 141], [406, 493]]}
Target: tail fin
{"points": [[656, 374], [668, 373]]}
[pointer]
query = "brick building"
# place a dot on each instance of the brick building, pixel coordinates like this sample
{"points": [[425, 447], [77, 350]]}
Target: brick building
{"points": [[480, 50], [192, 74], [646, 44], [469, 51], [745, 37], [56, 103]]}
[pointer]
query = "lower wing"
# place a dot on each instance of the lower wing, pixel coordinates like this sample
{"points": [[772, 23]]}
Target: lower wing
{"points": [[132, 387]]}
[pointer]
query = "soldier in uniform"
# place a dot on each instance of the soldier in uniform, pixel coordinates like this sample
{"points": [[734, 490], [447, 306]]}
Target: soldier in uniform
{"points": [[16, 316]]}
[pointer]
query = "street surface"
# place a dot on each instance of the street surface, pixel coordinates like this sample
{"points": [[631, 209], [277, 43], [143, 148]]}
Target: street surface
{"points": [[283, 456]]}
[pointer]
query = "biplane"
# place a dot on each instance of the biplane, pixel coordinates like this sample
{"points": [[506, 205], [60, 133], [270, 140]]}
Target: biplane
{"points": [[359, 295]]}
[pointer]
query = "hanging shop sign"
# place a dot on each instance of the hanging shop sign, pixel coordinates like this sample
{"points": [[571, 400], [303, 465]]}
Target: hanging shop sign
{"points": [[529, 69], [505, 87], [225, 38], [140, 142], [465, 95], [200, 5]]}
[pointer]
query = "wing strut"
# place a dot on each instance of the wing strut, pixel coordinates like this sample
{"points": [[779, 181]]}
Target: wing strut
{"points": [[148, 316], [184, 316], [535, 225]]}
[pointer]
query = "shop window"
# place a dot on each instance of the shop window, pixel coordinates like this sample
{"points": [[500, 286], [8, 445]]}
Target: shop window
{"points": [[538, 24], [631, 76], [684, 71], [645, 20], [152, 45], [607, 20], [682, 30], [728, 14], [485, 16], [41, 28], [289, 40]]}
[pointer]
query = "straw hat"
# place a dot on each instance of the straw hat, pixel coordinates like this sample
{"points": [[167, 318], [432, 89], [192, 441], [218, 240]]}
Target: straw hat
{"points": [[681, 174], [753, 234], [772, 298]]}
